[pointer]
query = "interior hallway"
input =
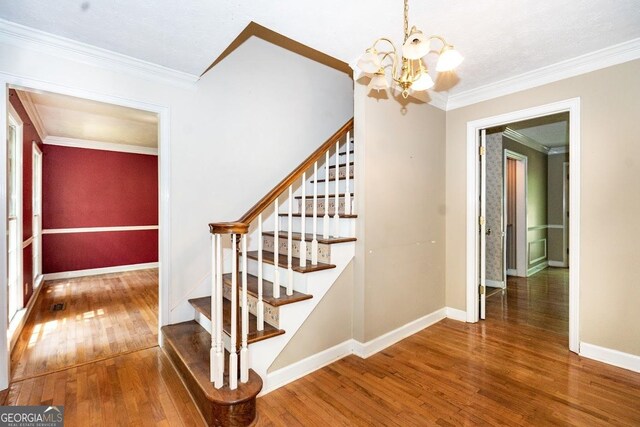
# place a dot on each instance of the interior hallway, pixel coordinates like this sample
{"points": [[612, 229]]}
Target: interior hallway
{"points": [[103, 316]]}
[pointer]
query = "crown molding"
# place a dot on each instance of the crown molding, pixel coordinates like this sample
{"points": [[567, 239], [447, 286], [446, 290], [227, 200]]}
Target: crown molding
{"points": [[98, 145], [30, 38], [525, 140], [559, 150], [32, 112], [438, 100], [603, 58]]}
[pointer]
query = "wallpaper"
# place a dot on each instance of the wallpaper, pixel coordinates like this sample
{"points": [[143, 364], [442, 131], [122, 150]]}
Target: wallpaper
{"points": [[494, 207]]}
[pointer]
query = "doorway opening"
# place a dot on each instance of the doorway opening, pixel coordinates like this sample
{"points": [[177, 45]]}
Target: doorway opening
{"points": [[88, 255], [547, 237]]}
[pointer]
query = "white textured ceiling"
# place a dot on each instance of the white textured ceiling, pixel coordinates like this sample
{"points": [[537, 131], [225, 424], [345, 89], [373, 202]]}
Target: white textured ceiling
{"points": [[499, 38], [70, 117]]}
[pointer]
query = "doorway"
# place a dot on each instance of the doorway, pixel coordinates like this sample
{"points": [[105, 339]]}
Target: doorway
{"points": [[476, 225], [35, 259]]}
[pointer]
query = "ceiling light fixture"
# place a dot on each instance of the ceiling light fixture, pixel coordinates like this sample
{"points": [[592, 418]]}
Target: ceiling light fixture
{"points": [[412, 73]]}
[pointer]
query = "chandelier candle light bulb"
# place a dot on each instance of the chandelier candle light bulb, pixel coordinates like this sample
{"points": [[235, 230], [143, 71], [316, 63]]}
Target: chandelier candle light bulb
{"points": [[405, 73]]}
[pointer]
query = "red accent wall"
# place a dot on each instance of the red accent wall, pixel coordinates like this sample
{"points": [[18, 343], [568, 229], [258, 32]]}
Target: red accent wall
{"points": [[29, 135], [96, 188]]}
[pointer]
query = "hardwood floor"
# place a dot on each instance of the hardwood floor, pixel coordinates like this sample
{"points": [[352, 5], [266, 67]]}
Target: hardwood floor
{"points": [[512, 369], [104, 316], [507, 370], [136, 389]]}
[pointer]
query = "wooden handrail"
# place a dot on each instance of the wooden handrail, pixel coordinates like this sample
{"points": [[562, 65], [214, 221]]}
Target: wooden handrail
{"points": [[242, 225]]}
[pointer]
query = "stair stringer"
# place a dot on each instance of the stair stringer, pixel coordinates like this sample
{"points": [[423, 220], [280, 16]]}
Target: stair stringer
{"points": [[262, 354]]}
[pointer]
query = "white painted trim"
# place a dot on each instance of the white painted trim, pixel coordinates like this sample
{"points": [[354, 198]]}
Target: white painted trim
{"points": [[525, 140], [455, 314], [535, 269], [97, 271], [559, 150], [284, 376], [30, 38], [607, 57], [4, 324], [164, 171], [15, 119], [557, 264], [438, 100], [20, 319], [573, 107], [555, 226], [99, 145], [32, 112], [370, 348], [532, 242], [27, 242], [612, 357], [495, 283], [98, 229], [566, 170], [522, 251], [537, 227]]}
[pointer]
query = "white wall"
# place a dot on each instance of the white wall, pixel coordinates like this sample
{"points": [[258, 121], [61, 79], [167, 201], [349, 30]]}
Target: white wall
{"points": [[234, 135]]}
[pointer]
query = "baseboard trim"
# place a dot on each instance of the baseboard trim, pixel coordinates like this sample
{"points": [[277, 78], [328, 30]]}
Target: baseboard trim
{"points": [[370, 348], [295, 371], [537, 268], [96, 271], [495, 283], [610, 356], [455, 314], [556, 264], [512, 272]]}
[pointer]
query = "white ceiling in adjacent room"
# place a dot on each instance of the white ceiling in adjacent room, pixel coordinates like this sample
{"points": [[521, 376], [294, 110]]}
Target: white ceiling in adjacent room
{"points": [[499, 39], [82, 119], [550, 131]]}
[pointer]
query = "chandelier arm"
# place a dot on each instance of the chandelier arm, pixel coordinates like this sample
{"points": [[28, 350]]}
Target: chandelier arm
{"points": [[381, 39], [436, 37]]}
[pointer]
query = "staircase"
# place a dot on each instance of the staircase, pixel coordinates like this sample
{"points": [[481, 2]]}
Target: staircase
{"points": [[269, 271]]}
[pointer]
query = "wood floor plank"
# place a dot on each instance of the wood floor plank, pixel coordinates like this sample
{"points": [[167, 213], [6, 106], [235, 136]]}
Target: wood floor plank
{"points": [[512, 369], [104, 315]]}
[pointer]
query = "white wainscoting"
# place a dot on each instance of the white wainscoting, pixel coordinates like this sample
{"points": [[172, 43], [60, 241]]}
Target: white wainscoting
{"points": [[534, 242]]}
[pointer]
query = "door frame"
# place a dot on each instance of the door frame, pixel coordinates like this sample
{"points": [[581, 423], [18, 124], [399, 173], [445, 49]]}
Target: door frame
{"points": [[522, 249], [566, 169], [13, 117], [472, 224], [8, 81], [36, 244]]}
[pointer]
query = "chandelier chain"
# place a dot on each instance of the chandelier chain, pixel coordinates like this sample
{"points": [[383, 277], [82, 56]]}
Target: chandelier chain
{"points": [[406, 20]]}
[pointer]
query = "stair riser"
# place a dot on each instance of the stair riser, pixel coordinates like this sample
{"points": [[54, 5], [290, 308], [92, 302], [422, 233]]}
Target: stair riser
{"points": [[321, 205], [324, 250], [342, 171], [342, 186], [271, 314], [299, 280], [346, 226]]}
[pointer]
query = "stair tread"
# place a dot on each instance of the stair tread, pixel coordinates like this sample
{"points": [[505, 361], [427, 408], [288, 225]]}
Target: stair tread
{"points": [[283, 262], [203, 305], [331, 180], [331, 196], [267, 291], [309, 237], [192, 344], [340, 165], [297, 215]]}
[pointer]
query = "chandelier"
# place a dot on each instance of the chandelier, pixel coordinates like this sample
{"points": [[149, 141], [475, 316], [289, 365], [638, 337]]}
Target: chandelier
{"points": [[409, 72]]}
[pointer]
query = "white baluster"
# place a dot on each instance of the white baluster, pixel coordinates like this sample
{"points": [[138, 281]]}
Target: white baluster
{"points": [[214, 297], [314, 242], [276, 243], [290, 243], [233, 355], [336, 215], [303, 226], [244, 352], [325, 223], [217, 323], [347, 192], [260, 303]]}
